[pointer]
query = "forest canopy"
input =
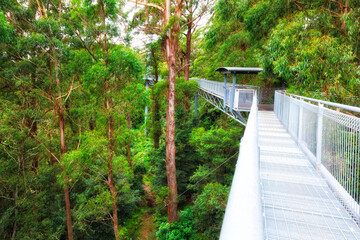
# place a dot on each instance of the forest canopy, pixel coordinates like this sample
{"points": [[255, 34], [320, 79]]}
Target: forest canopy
{"points": [[80, 156]]}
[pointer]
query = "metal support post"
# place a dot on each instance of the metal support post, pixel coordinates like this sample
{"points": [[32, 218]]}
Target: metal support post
{"points": [[196, 104], [300, 120], [232, 94], [225, 97], [319, 130], [147, 107]]}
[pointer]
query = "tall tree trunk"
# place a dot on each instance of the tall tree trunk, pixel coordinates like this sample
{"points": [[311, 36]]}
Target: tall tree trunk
{"points": [[187, 60], [170, 143], [110, 129], [66, 191], [344, 11], [156, 122], [13, 235], [156, 125], [128, 147], [68, 213], [111, 184], [31, 123], [188, 50], [113, 195], [171, 48], [61, 118]]}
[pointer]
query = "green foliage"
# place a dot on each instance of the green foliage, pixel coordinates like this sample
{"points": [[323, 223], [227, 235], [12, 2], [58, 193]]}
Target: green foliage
{"points": [[310, 46], [182, 229], [209, 210], [5, 29], [88, 167], [200, 221], [54, 62], [264, 15], [353, 29], [215, 146], [309, 60]]}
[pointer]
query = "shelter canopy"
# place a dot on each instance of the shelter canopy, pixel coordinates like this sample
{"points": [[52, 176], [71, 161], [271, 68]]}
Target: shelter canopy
{"points": [[239, 70]]}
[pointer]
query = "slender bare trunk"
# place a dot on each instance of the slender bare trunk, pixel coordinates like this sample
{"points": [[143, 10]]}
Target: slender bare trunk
{"points": [[171, 48], [188, 51], [110, 182], [128, 121], [170, 145], [61, 118], [114, 205], [113, 195], [344, 11], [66, 191], [31, 123], [110, 129], [156, 125], [13, 235]]}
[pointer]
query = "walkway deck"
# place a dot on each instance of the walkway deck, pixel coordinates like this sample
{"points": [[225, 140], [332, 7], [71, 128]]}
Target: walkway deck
{"points": [[298, 203]]}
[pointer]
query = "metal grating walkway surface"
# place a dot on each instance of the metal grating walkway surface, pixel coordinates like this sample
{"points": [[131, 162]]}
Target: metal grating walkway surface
{"points": [[297, 202]]}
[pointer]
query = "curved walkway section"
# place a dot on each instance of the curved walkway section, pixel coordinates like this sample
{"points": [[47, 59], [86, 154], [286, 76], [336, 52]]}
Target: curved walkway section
{"points": [[297, 202]]}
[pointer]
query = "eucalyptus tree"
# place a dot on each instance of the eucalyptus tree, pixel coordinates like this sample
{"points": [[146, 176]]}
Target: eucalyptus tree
{"points": [[111, 76], [41, 50], [194, 11], [170, 15], [153, 63], [91, 18]]}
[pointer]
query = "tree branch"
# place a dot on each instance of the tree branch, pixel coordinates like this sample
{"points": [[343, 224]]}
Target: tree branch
{"points": [[52, 154], [82, 41], [147, 4]]}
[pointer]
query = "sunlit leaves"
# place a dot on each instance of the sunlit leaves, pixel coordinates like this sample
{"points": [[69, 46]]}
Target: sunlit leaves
{"points": [[5, 29], [310, 60]]}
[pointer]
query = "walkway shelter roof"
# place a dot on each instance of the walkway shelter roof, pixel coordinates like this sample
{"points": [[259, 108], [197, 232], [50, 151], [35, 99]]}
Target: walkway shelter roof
{"points": [[239, 70]]}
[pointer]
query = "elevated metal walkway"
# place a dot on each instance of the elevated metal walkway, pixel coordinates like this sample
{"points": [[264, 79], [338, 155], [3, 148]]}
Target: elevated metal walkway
{"points": [[298, 171], [297, 201]]}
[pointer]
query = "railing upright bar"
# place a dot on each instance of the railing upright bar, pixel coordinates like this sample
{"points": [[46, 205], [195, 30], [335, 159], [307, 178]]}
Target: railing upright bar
{"points": [[319, 132], [301, 110], [232, 93], [225, 97]]}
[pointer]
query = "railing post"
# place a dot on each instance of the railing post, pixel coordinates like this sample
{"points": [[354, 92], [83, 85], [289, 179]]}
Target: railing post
{"points": [[146, 107], [276, 102], [232, 93], [319, 130], [196, 104], [300, 120], [260, 94], [225, 97]]}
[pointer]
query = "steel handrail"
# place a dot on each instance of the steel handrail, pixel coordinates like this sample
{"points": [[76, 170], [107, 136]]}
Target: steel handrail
{"points": [[243, 216], [328, 103]]}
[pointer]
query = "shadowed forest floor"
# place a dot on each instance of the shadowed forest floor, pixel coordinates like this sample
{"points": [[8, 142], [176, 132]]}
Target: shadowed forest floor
{"points": [[147, 227]]}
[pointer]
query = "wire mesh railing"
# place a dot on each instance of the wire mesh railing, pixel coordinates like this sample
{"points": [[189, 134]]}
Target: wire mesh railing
{"points": [[240, 101], [243, 216], [214, 87], [329, 133]]}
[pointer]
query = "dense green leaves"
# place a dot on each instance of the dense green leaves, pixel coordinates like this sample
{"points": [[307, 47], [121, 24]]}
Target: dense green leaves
{"points": [[310, 46], [310, 60], [200, 221], [64, 63]]}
